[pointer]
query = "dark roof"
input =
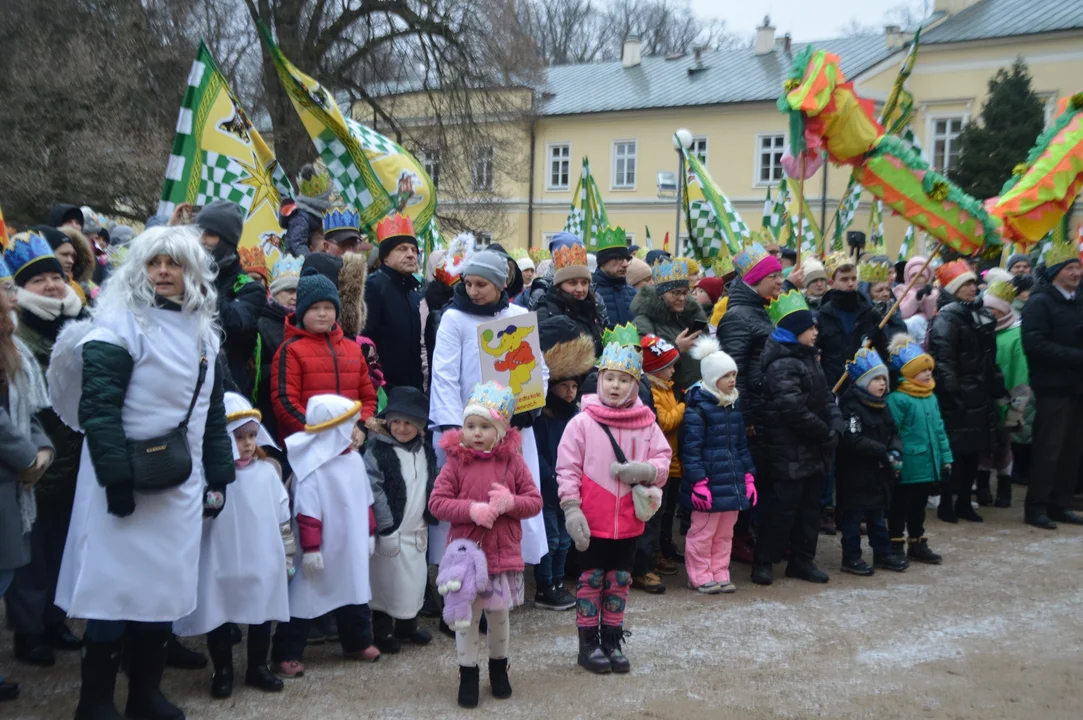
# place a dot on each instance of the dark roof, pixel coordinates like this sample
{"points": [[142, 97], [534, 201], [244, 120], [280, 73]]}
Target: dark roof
{"points": [[728, 76], [987, 19]]}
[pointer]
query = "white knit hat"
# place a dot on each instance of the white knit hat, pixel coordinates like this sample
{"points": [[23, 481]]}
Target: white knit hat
{"points": [[713, 363]]}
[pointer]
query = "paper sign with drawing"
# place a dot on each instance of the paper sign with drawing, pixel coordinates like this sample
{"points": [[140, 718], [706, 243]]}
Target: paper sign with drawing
{"points": [[509, 350]]}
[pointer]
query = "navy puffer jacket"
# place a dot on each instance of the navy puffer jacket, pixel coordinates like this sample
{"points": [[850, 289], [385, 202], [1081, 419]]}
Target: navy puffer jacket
{"points": [[617, 295], [714, 445]]}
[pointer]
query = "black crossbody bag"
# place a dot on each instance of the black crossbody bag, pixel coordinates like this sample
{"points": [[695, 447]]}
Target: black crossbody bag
{"points": [[164, 462]]}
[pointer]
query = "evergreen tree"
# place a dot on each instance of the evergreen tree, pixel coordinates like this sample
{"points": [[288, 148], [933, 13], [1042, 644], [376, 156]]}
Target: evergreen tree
{"points": [[1011, 120]]}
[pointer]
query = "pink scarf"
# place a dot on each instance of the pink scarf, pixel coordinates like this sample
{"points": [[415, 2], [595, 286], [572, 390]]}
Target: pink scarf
{"points": [[628, 418]]}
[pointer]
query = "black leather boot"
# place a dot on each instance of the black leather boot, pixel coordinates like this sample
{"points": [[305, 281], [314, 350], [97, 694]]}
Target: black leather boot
{"points": [[945, 510], [220, 647], [148, 655], [591, 655], [98, 671], [469, 680], [383, 626], [407, 631], [612, 638], [1004, 491], [180, 657], [919, 550], [498, 678]]}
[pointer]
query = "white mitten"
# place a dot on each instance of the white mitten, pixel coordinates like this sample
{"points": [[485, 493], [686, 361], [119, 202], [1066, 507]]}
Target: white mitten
{"points": [[634, 472], [312, 563]]}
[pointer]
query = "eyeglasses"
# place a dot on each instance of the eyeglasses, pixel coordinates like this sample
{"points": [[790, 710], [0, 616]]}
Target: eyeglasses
{"points": [[679, 292]]}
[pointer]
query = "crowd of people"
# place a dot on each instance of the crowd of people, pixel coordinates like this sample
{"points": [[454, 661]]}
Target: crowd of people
{"points": [[193, 442]]}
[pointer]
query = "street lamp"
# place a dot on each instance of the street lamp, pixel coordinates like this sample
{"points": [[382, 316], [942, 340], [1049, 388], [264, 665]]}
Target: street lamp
{"points": [[682, 140]]}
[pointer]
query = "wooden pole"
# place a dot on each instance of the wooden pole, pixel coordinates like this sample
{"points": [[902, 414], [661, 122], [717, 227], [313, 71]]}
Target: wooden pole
{"points": [[895, 307], [800, 210]]}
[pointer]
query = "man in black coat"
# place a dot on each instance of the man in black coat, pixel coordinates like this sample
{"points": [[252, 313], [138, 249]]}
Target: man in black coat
{"points": [[394, 305], [1053, 343], [240, 300], [846, 318], [611, 286]]}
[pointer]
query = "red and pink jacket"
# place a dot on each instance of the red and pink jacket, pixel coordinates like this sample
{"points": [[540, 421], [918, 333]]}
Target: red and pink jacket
{"points": [[467, 477], [585, 456]]}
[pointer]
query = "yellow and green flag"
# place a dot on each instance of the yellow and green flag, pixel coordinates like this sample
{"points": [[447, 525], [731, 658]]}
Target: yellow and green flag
{"points": [[587, 217], [712, 221], [218, 155]]}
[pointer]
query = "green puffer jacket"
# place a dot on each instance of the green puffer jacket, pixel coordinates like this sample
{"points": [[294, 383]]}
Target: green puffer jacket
{"points": [[924, 439], [653, 316], [107, 370]]}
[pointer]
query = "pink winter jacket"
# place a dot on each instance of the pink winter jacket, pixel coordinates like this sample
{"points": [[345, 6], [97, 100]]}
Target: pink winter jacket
{"points": [[466, 478], [585, 455], [910, 305]]}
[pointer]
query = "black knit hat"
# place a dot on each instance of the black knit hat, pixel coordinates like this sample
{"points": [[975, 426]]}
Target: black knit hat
{"points": [[325, 264], [798, 322], [613, 253], [408, 402], [313, 288], [223, 218]]}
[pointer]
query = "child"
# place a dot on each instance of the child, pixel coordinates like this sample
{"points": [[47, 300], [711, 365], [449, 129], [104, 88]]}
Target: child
{"points": [[244, 557], [800, 432], [569, 355], [869, 457], [484, 490], [331, 501], [401, 466], [608, 450], [315, 358], [719, 476], [659, 363], [926, 453]]}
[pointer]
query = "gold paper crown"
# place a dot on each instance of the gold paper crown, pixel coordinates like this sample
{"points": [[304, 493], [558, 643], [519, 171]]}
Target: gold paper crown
{"points": [[569, 255], [242, 414], [834, 261], [722, 265], [670, 271], [1001, 289], [874, 272], [1061, 252]]}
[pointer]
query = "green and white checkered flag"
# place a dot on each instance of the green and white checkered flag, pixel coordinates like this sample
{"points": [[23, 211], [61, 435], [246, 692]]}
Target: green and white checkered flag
{"points": [[779, 212], [587, 217], [876, 225], [712, 220], [768, 207], [809, 241], [219, 179], [844, 215], [907, 247]]}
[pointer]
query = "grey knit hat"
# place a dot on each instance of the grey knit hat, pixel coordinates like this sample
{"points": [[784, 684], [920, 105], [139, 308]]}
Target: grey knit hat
{"points": [[490, 265], [223, 218]]}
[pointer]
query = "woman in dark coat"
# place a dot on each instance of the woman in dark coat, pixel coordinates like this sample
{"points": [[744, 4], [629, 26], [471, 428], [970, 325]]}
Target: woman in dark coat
{"points": [[962, 341]]}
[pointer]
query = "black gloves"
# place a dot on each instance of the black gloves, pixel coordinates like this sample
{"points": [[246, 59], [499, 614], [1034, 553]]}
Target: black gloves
{"points": [[925, 292], [524, 420], [120, 499], [214, 499]]}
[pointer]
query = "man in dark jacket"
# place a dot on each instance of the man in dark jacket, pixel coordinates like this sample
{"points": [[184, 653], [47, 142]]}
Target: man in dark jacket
{"points": [[394, 304], [846, 318], [612, 287], [240, 300], [1053, 342]]}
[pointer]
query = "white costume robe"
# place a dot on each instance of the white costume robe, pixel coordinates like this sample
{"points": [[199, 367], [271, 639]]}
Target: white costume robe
{"points": [[456, 369], [143, 567], [337, 493], [242, 563]]}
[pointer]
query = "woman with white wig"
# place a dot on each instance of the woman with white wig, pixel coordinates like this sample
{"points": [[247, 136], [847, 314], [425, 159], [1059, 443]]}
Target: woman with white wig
{"points": [[140, 381]]}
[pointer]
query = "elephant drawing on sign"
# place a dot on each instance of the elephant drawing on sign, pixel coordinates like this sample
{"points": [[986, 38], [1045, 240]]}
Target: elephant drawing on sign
{"points": [[514, 354]]}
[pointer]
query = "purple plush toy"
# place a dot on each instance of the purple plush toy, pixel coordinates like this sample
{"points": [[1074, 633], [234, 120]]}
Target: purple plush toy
{"points": [[463, 573]]}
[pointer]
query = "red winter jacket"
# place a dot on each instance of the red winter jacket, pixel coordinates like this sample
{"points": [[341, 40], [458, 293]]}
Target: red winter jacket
{"points": [[467, 477], [308, 364]]}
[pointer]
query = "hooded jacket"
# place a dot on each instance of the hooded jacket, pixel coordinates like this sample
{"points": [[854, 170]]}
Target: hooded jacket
{"points": [[962, 340], [241, 302], [437, 297], [589, 314], [272, 332], [863, 472], [835, 343], [714, 445], [389, 483], [467, 477], [924, 440], [617, 296], [911, 305], [548, 431], [742, 333], [653, 316], [1053, 341], [394, 325]]}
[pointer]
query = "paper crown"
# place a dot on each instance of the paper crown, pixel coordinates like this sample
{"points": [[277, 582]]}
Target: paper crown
{"points": [[658, 354], [458, 252], [396, 225], [1057, 253], [341, 218], [253, 260], [1002, 289], [498, 400], [287, 266], [722, 265], [749, 258], [24, 249], [622, 359], [875, 272], [316, 184], [569, 255], [537, 254], [5, 273], [238, 408], [834, 261], [624, 335], [908, 357], [610, 237], [949, 271], [667, 271], [865, 361], [786, 304], [331, 411]]}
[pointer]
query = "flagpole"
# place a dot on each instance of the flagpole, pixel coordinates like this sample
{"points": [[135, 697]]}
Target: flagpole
{"points": [[800, 210], [680, 195]]}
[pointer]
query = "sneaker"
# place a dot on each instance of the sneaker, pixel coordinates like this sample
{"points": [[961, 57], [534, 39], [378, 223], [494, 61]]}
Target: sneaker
{"points": [[290, 669], [649, 583], [710, 588], [664, 566], [548, 599], [370, 654], [892, 562], [563, 595], [856, 567], [727, 587]]}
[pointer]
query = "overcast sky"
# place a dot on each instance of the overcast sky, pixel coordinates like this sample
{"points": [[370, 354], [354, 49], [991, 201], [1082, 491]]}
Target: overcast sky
{"points": [[803, 19]]}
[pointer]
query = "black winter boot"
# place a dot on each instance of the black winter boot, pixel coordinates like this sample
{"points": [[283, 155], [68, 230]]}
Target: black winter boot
{"points": [[892, 562], [469, 680], [591, 655], [220, 647], [965, 510], [99, 679], [612, 638], [945, 510], [805, 570], [148, 654], [182, 658], [919, 550], [383, 628], [407, 631], [984, 496], [763, 573], [498, 678], [898, 549], [1004, 491]]}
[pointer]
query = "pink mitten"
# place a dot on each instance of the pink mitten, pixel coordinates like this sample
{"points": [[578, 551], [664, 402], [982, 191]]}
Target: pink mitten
{"points": [[750, 488], [483, 514], [701, 496], [501, 499]]}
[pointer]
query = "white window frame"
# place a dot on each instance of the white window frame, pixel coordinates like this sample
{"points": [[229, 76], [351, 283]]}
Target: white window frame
{"points": [[430, 158], [757, 157], [706, 148], [547, 237], [635, 164], [481, 175], [930, 135], [550, 161]]}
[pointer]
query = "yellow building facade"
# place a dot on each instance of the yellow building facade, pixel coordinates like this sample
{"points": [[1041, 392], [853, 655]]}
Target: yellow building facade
{"points": [[622, 115]]}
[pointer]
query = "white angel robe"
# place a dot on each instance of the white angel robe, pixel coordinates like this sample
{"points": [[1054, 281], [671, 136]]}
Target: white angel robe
{"points": [[456, 369], [242, 563], [143, 567]]}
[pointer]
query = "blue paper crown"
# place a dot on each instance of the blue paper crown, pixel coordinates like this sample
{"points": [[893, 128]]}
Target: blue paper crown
{"points": [[622, 359], [494, 396], [749, 258], [667, 271], [287, 266], [5, 274], [901, 357], [341, 218], [26, 248], [865, 361]]}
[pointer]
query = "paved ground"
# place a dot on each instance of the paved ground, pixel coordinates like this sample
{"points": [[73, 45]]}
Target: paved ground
{"points": [[995, 632]]}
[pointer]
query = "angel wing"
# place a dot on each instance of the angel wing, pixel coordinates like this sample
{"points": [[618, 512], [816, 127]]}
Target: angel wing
{"points": [[65, 373]]}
